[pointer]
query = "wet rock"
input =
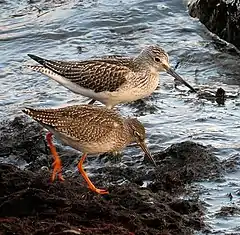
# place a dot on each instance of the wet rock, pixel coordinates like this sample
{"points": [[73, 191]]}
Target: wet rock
{"points": [[178, 165], [220, 96], [30, 204], [221, 17], [23, 143], [141, 107], [230, 196], [232, 164], [228, 211], [183, 163], [23, 139]]}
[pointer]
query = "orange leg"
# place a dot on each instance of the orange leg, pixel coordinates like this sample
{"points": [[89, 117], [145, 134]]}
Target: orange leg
{"points": [[57, 165], [83, 173]]}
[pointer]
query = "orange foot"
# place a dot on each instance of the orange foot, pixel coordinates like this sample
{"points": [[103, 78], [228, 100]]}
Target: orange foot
{"points": [[97, 190], [57, 165], [90, 184], [57, 170]]}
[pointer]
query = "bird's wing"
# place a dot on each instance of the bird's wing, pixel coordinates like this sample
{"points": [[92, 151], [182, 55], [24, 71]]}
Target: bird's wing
{"points": [[79, 122], [106, 74]]}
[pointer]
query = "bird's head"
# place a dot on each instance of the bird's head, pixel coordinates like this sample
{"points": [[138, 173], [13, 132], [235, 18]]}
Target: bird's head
{"points": [[138, 135], [157, 59]]}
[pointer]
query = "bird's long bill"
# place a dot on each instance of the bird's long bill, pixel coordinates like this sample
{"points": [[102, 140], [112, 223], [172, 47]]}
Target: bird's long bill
{"points": [[179, 78], [147, 152]]}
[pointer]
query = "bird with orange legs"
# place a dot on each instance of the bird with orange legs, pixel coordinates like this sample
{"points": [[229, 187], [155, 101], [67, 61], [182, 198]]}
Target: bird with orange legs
{"points": [[91, 130], [111, 81]]}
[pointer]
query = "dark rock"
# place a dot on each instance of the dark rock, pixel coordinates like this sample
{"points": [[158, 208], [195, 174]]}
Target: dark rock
{"points": [[30, 204], [142, 107], [24, 141], [220, 96], [221, 17], [183, 163], [231, 164], [230, 196], [22, 138], [228, 211]]}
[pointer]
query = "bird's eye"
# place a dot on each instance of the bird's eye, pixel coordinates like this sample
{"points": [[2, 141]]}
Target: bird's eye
{"points": [[136, 133], [157, 59], [138, 136]]}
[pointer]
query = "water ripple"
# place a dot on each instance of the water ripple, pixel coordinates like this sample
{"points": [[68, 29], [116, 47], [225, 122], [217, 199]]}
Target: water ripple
{"points": [[63, 29]]}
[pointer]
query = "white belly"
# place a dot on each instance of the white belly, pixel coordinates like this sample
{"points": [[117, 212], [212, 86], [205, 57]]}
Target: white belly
{"points": [[131, 94]]}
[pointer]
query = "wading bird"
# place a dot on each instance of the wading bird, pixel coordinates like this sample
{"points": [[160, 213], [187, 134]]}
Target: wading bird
{"points": [[111, 80], [89, 129]]}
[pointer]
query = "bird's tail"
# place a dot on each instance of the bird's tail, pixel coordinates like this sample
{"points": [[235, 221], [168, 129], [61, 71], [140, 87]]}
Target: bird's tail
{"points": [[41, 115], [33, 113], [37, 59]]}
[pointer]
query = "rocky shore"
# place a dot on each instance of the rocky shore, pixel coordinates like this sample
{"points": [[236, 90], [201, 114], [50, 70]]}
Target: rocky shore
{"points": [[221, 17], [30, 204]]}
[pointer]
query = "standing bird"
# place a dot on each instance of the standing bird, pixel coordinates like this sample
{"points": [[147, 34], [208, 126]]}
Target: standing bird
{"points": [[89, 129], [111, 80]]}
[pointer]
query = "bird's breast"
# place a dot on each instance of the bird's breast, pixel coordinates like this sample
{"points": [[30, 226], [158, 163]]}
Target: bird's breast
{"points": [[115, 141], [139, 88]]}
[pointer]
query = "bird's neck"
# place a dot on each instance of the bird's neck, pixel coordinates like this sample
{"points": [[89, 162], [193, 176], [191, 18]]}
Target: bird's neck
{"points": [[128, 132], [144, 62]]}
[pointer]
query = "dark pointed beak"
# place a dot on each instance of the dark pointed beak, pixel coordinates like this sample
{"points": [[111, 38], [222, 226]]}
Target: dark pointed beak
{"points": [[179, 78], [146, 151]]}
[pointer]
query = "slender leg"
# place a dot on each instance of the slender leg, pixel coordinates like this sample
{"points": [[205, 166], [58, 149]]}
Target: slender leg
{"points": [[83, 173], [57, 166], [92, 102]]}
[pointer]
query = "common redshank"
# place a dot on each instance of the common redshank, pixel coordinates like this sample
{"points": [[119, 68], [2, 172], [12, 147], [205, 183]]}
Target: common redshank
{"points": [[91, 130], [112, 80]]}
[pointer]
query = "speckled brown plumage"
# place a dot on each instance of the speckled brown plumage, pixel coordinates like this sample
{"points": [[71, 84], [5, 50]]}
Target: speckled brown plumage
{"points": [[80, 122], [98, 75], [103, 74], [89, 129], [98, 128], [110, 80]]}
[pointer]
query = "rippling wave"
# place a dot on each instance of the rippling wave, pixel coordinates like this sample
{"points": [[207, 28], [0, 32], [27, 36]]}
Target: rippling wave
{"points": [[76, 30]]}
